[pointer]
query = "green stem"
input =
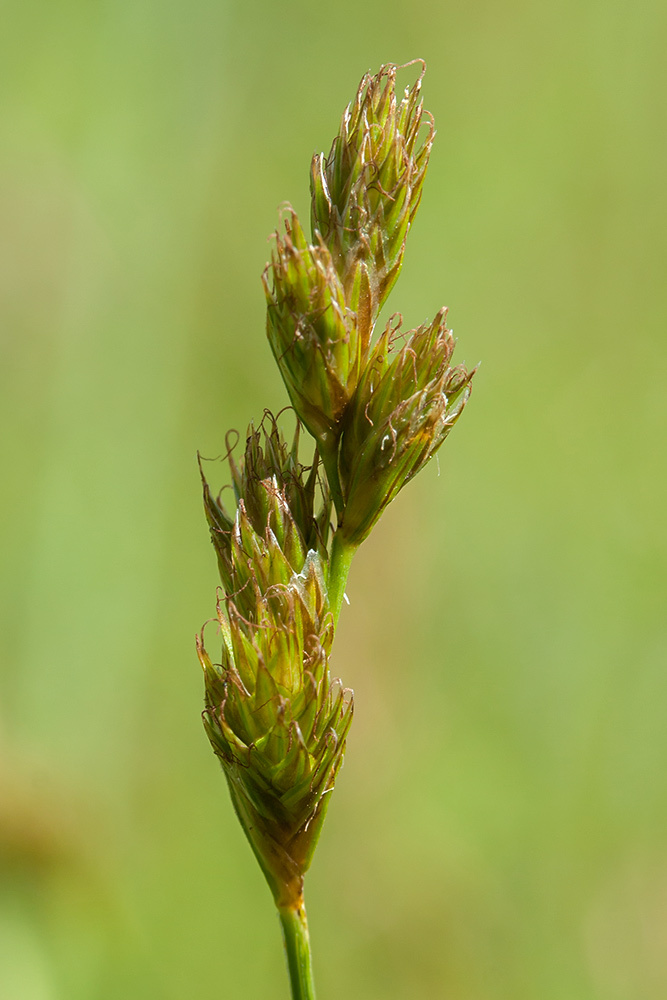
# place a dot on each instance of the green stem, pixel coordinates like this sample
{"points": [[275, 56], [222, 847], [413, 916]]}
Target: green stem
{"points": [[329, 454], [341, 557], [297, 949]]}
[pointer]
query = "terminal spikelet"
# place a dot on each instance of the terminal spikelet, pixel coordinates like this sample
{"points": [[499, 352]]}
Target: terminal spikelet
{"points": [[366, 192]]}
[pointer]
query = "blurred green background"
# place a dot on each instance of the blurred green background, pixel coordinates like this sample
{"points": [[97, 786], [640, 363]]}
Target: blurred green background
{"points": [[499, 831]]}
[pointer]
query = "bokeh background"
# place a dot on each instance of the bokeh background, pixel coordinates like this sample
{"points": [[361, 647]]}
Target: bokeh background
{"points": [[499, 830]]}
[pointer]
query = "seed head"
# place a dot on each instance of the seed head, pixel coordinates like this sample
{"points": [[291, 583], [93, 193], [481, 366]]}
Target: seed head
{"points": [[313, 331], [365, 194], [278, 499], [274, 718], [405, 406]]}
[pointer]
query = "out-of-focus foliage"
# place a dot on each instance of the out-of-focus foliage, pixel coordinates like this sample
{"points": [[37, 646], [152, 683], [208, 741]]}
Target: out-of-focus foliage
{"points": [[500, 825]]}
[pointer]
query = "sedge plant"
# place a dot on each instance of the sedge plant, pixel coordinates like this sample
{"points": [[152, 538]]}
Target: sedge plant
{"points": [[377, 408]]}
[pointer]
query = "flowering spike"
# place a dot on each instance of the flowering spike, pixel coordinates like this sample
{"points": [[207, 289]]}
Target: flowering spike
{"points": [[262, 704], [313, 332], [276, 493], [365, 194], [405, 407], [378, 412]]}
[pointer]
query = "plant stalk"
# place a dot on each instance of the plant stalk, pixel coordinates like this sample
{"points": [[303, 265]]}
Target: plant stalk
{"points": [[297, 948], [341, 557], [328, 450]]}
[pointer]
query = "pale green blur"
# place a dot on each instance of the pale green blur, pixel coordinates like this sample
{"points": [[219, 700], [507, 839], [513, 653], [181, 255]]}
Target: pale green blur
{"points": [[499, 830]]}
